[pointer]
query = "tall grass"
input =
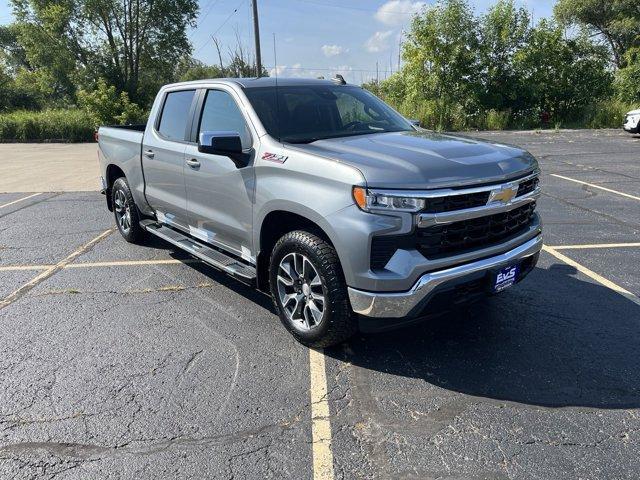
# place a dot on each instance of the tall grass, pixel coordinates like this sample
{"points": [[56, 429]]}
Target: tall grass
{"points": [[607, 114], [72, 125], [444, 116]]}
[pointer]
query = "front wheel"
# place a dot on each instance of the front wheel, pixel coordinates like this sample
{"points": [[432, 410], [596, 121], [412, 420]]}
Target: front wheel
{"points": [[126, 212], [309, 291]]}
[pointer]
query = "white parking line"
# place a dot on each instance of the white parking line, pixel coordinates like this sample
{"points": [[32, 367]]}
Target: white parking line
{"points": [[20, 200], [597, 245], [633, 197], [320, 423], [593, 275]]}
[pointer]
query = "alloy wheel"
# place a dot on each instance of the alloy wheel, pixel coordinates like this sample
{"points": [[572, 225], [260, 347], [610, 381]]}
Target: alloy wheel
{"points": [[300, 292], [123, 211]]}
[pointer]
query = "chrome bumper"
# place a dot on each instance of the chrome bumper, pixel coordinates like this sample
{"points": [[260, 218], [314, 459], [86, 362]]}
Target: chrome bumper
{"points": [[403, 304]]}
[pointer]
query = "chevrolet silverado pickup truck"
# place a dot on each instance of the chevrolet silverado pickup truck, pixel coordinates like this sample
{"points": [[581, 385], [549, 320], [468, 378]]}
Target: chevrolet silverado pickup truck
{"points": [[321, 195]]}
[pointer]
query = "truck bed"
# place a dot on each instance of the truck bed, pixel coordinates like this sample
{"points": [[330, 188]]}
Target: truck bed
{"points": [[121, 144]]}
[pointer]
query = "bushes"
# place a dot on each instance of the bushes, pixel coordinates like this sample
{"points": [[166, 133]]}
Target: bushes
{"points": [[47, 125], [107, 107], [607, 114], [498, 120], [98, 107]]}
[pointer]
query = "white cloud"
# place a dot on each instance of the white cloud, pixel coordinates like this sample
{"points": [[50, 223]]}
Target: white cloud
{"points": [[398, 12], [333, 50], [378, 42]]}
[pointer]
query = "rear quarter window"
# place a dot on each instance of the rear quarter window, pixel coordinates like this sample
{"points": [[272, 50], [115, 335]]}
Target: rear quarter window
{"points": [[175, 115]]}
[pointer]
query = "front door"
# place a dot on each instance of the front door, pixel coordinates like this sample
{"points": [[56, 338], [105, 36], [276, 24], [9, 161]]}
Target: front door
{"points": [[163, 159], [219, 194]]}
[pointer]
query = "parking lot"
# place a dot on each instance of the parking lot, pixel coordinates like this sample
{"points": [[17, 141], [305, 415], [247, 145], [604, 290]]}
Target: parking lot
{"points": [[124, 361]]}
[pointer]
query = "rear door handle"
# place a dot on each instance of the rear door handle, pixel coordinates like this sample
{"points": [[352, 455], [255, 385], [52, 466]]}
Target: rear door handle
{"points": [[193, 163], [149, 154]]}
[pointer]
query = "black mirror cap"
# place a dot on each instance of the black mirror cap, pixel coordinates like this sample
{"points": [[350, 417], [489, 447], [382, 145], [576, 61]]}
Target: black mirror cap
{"points": [[220, 143], [414, 122]]}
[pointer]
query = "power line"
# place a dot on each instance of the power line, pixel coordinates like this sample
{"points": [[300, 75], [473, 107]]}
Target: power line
{"points": [[220, 27], [209, 8]]}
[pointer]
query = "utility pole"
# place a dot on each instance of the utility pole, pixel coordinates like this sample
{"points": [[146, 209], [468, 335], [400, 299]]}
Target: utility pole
{"points": [[400, 49], [256, 34]]}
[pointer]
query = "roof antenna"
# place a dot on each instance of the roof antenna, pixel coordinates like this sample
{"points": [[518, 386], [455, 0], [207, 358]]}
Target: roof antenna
{"points": [[338, 79], [275, 60]]}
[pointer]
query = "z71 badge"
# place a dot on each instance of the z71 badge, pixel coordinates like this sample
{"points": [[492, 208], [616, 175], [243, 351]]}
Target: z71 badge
{"points": [[272, 157]]}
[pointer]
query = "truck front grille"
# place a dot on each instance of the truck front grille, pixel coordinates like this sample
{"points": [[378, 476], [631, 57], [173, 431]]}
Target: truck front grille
{"points": [[456, 202], [450, 239], [458, 237]]}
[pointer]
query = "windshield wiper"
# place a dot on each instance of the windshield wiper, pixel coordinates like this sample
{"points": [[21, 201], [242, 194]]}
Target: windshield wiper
{"points": [[303, 140], [341, 135]]}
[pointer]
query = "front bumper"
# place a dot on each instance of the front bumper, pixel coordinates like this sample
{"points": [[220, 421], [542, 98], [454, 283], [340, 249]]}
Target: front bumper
{"points": [[410, 304]]}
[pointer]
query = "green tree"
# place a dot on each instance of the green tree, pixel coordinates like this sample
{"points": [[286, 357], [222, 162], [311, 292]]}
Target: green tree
{"points": [[134, 44], [562, 76], [441, 58], [504, 31], [616, 22], [628, 78]]}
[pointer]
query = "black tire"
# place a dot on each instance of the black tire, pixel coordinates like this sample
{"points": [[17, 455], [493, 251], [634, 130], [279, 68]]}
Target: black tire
{"points": [[338, 322], [120, 191]]}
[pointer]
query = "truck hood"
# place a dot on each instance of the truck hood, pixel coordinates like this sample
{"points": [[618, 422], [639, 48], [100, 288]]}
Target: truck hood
{"points": [[424, 159], [633, 112]]}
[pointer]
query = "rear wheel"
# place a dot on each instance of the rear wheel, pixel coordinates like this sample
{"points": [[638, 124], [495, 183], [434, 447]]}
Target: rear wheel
{"points": [[126, 212], [309, 291]]}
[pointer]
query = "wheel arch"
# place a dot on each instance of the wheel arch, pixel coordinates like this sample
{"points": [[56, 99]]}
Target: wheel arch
{"points": [[273, 226], [113, 172]]}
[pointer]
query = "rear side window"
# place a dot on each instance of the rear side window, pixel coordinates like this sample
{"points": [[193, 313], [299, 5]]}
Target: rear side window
{"points": [[221, 113], [175, 114]]}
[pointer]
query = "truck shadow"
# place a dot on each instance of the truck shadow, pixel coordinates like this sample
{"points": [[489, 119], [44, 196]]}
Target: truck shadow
{"points": [[553, 341]]}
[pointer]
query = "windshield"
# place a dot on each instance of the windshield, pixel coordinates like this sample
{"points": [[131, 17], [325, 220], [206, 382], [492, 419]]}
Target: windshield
{"points": [[304, 114]]}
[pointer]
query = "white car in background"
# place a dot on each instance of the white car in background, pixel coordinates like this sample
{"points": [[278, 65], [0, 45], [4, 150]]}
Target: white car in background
{"points": [[632, 122]]}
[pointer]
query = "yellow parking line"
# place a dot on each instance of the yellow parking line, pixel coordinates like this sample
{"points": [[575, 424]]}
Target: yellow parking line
{"points": [[51, 270], [597, 245], [20, 200], [596, 186], [320, 423], [593, 275]]}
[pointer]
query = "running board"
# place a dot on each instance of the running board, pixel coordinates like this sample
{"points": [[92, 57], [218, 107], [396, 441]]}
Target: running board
{"points": [[237, 268]]}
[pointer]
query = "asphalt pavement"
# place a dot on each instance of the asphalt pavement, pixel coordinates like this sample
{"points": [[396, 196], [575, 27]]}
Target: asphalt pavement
{"points": [[124, 361]]}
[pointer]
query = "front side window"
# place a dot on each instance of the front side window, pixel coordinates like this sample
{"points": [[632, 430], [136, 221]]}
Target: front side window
{"points": [[175, 115], [304, 114], [221, 114]]}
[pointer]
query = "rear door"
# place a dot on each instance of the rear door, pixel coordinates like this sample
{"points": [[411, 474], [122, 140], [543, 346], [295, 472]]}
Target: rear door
{"points": [[163, 150], [219, 194]]}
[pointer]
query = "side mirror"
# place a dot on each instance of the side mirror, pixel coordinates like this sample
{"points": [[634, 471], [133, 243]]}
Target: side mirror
{"points": [[220, 143], [414, 122]]}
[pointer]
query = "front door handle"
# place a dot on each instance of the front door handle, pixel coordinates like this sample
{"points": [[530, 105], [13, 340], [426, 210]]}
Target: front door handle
{"points": [[193, 163], [149, 154]]}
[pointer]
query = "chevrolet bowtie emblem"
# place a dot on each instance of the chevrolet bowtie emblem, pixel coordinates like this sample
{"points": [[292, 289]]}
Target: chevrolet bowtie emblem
{"points": [[504, 194]]}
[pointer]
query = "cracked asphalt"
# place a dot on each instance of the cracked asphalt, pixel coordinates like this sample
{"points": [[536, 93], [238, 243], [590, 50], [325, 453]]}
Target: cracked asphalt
{"points": [[139, 362]]}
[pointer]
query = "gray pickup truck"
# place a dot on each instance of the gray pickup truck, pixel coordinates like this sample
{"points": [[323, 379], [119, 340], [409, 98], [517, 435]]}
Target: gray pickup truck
{"points": [[317, 192]]}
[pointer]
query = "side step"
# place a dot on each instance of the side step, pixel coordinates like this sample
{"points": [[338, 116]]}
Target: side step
{"points": [[215, 258]]}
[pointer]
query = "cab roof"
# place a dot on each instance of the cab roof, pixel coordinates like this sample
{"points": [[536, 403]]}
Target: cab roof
{"points": [[264, 82]]}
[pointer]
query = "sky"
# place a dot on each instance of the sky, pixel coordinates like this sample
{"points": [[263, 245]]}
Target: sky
{"points": [[314, 37]]}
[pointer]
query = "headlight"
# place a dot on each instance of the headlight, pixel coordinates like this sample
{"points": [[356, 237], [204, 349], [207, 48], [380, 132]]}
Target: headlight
{"points": [[372, 200]]}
